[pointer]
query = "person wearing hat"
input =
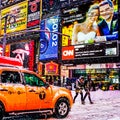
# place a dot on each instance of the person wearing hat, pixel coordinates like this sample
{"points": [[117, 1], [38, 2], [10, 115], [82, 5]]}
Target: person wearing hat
{"points": [[79, 88]]}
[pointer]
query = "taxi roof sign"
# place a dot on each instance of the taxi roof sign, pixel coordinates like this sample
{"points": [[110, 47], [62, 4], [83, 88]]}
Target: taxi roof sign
{"points": [[10, 61]]}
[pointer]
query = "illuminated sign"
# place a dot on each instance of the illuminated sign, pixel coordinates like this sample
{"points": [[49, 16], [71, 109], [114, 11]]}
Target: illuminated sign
{"points": [[7, 50], [24, 51], [0, 25], [50, 5], [20, 13], [90, 30], [67, 3], [4, 3], [33, 14], [87, 51], [51, 68], [68, 53], [88, 25], [49, 40]]}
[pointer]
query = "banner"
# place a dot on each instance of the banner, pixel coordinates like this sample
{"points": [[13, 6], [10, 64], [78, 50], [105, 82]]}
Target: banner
{"points": [[7, 51], [19, 11], [51, 68], [93, 30], [5, 3], [87, 51], [0, 25], [24, 51], [48, 38], [33, 19]]}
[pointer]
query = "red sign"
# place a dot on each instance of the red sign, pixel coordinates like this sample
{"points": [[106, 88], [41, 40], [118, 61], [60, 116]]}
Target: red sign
{"points": [[7, 50], [10, 61], [68, 53], [51, 68]]}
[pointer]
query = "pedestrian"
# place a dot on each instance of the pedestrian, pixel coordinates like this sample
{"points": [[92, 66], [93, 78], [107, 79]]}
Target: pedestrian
{"points": [[79, 88], [88, 84]]}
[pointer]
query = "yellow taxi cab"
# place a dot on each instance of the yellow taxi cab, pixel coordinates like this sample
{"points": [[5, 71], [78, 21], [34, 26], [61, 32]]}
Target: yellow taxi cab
{"points": [[23, 92]]}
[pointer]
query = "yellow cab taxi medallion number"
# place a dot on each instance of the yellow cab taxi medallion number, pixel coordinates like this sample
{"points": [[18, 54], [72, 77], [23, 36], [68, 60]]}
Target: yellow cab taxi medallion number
{"points": [[42, 95]]}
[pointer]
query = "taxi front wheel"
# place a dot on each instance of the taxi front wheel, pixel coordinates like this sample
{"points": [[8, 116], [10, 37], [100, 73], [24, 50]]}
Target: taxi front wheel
{"points": [[62, 108], [1, 111]]}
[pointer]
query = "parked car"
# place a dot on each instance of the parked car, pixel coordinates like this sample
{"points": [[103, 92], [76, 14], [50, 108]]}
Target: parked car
{"points": [[23, 92]]}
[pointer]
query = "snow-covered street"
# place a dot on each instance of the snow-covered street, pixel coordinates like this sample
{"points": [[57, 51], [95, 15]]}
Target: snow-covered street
{"points": [[106, 107]]}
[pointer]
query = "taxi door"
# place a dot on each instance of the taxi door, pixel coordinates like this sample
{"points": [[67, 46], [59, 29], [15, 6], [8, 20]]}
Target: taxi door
{"points": [[12, 90], [38, 96], [32, 95], [45, 96]]}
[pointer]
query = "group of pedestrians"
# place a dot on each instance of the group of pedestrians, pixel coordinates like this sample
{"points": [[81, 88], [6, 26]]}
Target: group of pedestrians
{"points": [[82, 84]]}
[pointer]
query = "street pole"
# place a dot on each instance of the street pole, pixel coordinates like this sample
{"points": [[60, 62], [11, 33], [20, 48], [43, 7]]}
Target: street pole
{"points": [[5, 30], [4, 37]]}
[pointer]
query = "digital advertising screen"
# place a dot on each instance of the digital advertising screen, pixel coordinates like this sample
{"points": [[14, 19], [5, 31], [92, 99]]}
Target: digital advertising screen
{"points": [[5, 3], [17, 18], [49, 38], [33, 19], [0, 25], [50, 6], [24, 51], [7, 51], [88, 26]]}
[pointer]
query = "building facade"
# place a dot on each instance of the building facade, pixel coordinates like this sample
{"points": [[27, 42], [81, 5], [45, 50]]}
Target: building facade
{"points": [[79, 37]]}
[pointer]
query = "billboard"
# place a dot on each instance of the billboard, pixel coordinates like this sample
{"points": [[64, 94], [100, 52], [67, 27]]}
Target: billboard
{"points": [[20, 13], [87, 51], [49, 39], [50, 6], [91, 28], [33, 19], [5, 3], [51, 68], [66, 3], [7, 50], [0, 24], [24, 51]]}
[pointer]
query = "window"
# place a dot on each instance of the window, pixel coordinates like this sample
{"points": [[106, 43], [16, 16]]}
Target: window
{"points": [[10, 77], [33, 80]]}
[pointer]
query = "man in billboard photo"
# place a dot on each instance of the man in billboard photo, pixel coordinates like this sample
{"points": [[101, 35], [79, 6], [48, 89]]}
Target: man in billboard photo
{"points": [[87, 31], [108, 20]]}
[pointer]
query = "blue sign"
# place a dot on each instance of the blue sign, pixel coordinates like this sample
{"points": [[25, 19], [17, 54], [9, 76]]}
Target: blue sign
{"points": [[49, 38]]}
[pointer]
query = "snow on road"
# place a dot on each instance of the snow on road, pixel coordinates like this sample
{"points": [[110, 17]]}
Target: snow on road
{"points": [[106, 107]]}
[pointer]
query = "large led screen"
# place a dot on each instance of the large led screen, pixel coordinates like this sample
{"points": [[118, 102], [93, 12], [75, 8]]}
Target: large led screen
{"points": [[48, 38], [88, 25], [15, 17], [24, 51], [5, 3], [34, 11]]}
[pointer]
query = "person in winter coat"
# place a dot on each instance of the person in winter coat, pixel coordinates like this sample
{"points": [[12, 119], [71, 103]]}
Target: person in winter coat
{"points": [[79, 88], [88, 84]]}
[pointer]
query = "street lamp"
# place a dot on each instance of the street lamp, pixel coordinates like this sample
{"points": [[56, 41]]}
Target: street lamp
{"points": [[11, 19]]}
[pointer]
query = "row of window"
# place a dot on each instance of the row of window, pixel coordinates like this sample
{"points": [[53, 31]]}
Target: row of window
{"points": [[14, 77]]}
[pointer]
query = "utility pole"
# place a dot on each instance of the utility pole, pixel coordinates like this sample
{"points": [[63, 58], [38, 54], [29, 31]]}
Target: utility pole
{"points": [[6, 17]]}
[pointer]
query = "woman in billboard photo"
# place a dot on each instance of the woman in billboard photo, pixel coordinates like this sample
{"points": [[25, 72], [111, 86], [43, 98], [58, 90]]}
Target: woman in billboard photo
{"points": [[87, 31]]}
